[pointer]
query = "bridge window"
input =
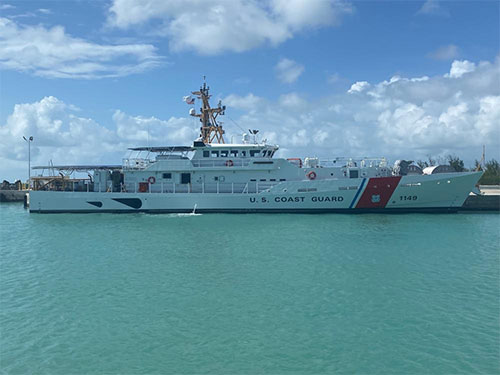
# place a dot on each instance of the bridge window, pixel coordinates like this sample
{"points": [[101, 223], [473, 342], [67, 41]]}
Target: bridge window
{"points": [[167, 176], [254, 153], [243, 154], [224, 153], [234, 153], [206, 154], [215, 154]]}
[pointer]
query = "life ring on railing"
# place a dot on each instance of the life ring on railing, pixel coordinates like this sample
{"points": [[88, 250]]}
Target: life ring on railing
{"points": [[229, 163], [151, 180], [311, 175]]}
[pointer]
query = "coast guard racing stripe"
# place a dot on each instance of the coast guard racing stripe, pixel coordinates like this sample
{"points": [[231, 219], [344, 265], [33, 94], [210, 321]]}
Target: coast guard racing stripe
{"points": [[378, 191], [360, 189]]}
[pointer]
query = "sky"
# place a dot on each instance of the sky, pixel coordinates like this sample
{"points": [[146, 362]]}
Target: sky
{"points": [[324, 78]]}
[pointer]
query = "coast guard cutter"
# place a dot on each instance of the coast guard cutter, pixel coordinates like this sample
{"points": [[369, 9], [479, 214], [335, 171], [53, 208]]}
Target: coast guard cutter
{"points": [[214, 176]]}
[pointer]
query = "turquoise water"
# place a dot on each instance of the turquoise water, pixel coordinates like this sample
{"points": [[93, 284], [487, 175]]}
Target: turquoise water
{"points": [[248, 294]]}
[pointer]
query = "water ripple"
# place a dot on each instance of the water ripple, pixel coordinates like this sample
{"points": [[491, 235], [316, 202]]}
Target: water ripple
{"points": [[149, 294]]}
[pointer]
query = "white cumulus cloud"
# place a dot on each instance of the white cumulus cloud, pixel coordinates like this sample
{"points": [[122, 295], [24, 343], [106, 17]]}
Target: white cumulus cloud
{"points": [[211, 27], [402, 117], [288, 71], [51, 52], [358, 87], [62, 135], [459, 68], [59, 134], [248, 102], [153, 131]]}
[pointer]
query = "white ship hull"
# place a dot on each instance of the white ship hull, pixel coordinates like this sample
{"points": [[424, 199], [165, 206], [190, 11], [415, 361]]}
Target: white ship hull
{"points": [[417, 193]]}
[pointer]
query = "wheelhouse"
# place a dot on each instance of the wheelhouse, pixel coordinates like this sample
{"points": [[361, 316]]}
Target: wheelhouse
{"points": [[234, 151]]}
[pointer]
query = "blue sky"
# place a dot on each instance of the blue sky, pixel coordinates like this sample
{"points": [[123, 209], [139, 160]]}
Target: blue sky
{"points": [[404, 79]]}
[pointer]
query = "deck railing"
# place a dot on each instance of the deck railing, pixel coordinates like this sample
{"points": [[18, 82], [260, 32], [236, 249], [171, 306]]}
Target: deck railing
{"points": [[202, 163], [354, 162], [202, 188]]}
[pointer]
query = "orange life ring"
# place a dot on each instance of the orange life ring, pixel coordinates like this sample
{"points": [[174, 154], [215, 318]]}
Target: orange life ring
{"points": [[229, 163], [311, 175], [151, 180]]}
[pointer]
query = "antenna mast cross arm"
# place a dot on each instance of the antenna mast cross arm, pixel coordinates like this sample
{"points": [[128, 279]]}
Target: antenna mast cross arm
{"points": [[210, 129]]}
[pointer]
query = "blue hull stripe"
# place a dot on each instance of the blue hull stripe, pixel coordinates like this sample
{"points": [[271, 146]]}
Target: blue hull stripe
{"points": [[358, 192]]}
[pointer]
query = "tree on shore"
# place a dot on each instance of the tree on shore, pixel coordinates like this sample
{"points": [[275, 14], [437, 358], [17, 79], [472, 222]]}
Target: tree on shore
{"points": [[457, 163], [491, 174], [452, 160], [491, 168]]}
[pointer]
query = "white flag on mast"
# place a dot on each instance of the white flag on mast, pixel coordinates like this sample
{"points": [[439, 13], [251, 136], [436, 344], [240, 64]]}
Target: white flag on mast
{"points": [[188, 99]]}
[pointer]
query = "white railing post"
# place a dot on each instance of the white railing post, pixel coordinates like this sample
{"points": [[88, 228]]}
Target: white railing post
{"points": [[173, 183], [217, 186], [135, 187], [232, 187], [257, 187], [203, 187], [162, 187]]}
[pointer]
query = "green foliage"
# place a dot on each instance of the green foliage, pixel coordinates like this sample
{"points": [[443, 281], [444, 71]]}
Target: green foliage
{"points": [[491, 174], [452, 160], [422, 164], [491, 168], [456, 163]]}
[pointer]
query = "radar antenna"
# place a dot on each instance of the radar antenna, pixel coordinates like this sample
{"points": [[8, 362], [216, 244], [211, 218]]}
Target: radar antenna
{"points": [[210, 129]]}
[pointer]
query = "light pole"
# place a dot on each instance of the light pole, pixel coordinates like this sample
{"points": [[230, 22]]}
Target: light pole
{"points": [[29, 140]]}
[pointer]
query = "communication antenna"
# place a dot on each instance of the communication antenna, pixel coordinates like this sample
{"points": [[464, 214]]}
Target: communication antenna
{"points": [[210, 129], [482, 161], [254, 133]]}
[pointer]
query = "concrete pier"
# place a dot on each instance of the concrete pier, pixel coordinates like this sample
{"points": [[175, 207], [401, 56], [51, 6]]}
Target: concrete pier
{"points": [[482, 203], [489, 200]]}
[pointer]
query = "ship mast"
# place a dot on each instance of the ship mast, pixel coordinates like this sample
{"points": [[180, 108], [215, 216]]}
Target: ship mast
{"points": [[210, 129]]}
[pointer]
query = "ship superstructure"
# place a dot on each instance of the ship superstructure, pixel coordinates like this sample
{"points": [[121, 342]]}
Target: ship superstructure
{"points": [[214, 176]]}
